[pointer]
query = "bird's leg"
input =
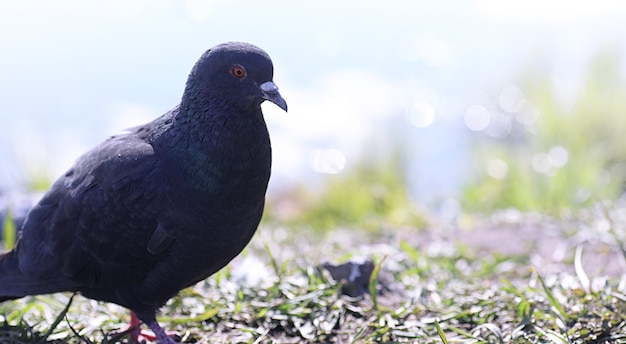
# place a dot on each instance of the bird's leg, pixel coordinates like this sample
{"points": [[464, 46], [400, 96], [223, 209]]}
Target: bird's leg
{"points": [[161, 336], [158, 333], [137, 335], [135, 327]]}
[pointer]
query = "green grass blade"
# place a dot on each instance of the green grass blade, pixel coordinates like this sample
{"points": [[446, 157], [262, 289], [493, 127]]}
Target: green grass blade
{"points": [[9, 231], [208, 314], [440, 332], [556, 305], [373, 284], [277, 270]]}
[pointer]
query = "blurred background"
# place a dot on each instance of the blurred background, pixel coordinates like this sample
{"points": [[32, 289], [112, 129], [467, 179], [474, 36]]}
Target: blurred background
{"points": [[397, 108]]}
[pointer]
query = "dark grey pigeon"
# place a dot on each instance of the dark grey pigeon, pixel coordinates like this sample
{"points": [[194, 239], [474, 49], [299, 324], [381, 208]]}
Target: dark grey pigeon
{"points": [[150, 212]]}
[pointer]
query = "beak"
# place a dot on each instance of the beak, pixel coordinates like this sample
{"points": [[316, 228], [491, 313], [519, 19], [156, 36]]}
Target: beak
{"points": [[270, 92]]}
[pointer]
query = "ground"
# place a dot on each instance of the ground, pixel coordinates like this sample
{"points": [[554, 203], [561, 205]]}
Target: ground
{"points": [[509, 277]]}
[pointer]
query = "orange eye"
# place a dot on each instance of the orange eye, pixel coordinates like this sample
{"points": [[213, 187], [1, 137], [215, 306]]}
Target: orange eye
{"points": [[238, 71]]}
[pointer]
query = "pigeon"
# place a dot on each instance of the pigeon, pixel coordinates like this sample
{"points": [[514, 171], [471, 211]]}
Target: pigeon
{"points": [[162, 206]]}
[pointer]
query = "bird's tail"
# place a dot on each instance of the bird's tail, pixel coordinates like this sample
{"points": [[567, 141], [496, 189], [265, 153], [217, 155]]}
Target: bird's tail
{"points": [[14, 284]]}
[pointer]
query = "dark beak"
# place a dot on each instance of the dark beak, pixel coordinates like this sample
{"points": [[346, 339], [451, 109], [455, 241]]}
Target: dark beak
{"points": [[270, 92]]}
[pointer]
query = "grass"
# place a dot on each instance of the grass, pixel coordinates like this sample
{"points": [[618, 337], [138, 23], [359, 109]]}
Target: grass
{"points": [[431, 286]]}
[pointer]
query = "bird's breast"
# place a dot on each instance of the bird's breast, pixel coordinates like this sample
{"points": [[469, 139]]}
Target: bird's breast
{"points": [[213, 185]]}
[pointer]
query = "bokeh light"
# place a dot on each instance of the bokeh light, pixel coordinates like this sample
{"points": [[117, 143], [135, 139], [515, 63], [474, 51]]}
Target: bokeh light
{"points": [[327, 161], [497, 169], [528, 117], [511, 99], [477, 117], [499, 125], [541, 163], [548, 163], [558, 156], [420, 114]]}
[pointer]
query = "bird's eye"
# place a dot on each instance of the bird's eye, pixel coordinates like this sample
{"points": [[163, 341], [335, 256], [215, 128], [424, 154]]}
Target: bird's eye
{"points": [[238, 71]]}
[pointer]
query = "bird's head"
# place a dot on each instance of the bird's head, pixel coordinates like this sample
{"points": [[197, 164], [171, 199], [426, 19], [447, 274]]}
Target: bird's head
{"points": [[238, 73]]}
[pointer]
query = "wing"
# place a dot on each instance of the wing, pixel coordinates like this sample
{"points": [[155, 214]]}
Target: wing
{"points": [[99, 223]]}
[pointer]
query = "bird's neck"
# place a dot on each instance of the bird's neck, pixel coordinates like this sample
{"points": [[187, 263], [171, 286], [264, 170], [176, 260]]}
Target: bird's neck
{"points": [[217, 153]]}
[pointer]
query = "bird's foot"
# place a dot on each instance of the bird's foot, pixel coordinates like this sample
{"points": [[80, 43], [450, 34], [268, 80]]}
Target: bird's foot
{"points": [[138, 335], [161, 336]]}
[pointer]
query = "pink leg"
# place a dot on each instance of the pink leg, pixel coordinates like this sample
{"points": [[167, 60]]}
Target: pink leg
{"points": [[137, 335]]}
